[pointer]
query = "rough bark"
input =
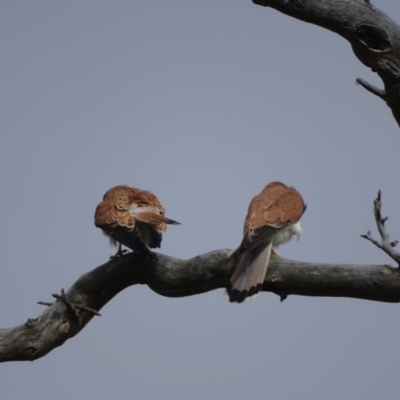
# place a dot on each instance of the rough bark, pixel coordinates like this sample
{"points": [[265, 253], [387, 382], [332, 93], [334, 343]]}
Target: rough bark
{"points": [[172, 277], [374, 37]]}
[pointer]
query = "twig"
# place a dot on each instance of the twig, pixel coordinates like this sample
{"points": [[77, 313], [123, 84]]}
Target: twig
{"points": [[75, 308], [386, 245], [372, 89], [44, 303]]}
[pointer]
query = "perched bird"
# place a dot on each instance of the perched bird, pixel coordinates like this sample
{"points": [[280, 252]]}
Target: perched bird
{"points": [[272, 219], [133, 218]]}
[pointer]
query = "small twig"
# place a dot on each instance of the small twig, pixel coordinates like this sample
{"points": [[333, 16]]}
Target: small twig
{"points": [[75, 308], [62, 297], [88, 309], [386, 245], [372, 89], [44, 303]]}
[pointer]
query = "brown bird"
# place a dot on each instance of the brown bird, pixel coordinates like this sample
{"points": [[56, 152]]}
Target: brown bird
{"points": [[133, 218], [272, 219]]}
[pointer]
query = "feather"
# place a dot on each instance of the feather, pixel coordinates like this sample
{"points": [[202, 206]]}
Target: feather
{"points": [[131, 238], [134, 218], [248, 279]]}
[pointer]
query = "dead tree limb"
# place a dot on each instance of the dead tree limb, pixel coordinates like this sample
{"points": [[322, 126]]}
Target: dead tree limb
{"points": [[386, 244], [374, 37], [172, 277]]}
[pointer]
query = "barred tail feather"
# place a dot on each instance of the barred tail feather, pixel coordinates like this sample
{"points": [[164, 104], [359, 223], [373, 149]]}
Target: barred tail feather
{"points": [[248, 278]]}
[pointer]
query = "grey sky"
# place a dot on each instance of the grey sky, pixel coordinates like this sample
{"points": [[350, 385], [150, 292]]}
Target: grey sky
{"points": [[202, 103]]}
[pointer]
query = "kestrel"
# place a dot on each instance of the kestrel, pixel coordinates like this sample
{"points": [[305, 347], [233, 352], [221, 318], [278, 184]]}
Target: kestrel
{"points": [[133, 218], [272, 219]]}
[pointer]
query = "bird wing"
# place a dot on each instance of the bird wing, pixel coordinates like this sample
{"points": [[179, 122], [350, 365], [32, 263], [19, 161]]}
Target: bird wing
{"points": [[277, 205], [114, 209], [133, 217], [273, 209], [270, 211], [114, 217], [151, 217], [154, 225]]}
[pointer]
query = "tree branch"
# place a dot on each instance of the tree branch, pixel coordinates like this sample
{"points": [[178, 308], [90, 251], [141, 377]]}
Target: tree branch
{"points": [[372, 89], [172, 277], [374, 37], [386, 244]]}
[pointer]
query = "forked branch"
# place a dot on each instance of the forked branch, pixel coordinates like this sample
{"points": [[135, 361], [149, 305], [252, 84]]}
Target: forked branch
{"points": [[386, 244], [374, 37]]}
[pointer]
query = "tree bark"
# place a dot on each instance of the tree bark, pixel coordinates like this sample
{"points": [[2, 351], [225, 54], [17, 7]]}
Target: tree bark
{"points": [[374, 37], [172, 277]]}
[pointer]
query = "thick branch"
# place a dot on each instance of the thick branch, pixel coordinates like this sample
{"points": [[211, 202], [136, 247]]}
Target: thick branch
{"points": [[374, 37], [176, 278]]}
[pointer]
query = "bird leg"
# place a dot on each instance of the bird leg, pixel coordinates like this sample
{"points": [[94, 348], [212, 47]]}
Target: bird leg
{"points": [[119, 252]]}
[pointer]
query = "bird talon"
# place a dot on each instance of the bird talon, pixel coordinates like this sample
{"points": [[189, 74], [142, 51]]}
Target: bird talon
{"points": [[119, 253]]}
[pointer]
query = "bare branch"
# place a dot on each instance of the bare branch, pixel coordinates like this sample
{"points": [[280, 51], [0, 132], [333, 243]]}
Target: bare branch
{"points": [[386, 245], [374, 37], [172, 277], [45, 303], [371, 88]]}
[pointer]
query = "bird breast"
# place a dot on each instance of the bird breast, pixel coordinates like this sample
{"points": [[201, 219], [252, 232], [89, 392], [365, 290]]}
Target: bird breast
{"points": [[286, 234]]}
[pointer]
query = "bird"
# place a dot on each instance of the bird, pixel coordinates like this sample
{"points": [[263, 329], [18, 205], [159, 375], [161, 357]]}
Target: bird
{"points": [[273, 218], [134, 218]]}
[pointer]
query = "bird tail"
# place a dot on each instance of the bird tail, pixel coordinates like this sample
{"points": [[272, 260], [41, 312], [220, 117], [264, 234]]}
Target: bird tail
{"points": [[233, 255], [248, 278]]}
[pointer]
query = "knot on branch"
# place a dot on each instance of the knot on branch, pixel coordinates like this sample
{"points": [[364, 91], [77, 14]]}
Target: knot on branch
{"points": [[374, 37], [31, 350], [31, 322]]}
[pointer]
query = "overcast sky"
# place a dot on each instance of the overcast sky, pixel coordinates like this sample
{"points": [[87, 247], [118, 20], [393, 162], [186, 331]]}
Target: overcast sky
{"points": [[203, 103]]}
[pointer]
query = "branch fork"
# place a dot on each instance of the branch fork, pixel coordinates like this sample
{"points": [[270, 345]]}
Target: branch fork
{"points": [[386, 244]]}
